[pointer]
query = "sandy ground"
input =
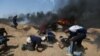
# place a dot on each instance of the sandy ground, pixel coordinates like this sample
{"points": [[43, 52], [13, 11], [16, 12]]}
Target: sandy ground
{"points": [[18, 38]]}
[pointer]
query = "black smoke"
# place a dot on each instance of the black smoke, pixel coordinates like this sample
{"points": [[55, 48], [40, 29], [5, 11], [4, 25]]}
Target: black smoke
{"points": [[68, 8], [86, 12]]}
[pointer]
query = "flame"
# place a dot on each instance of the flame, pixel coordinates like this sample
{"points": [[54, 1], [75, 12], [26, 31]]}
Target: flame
{"points": [[63, 21]]}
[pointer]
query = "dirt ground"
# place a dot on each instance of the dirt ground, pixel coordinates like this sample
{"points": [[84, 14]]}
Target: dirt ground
{"points": [[18, 38]]}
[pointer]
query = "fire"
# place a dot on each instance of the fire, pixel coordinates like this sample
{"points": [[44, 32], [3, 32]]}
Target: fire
{"points": [[63, 22]]}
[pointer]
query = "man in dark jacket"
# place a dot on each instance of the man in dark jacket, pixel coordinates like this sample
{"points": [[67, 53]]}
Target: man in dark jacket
{"points": [[50, 36], [35, 40], [15, 21], [3, 38]]}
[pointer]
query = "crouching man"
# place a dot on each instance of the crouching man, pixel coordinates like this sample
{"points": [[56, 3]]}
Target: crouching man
{"points": [[34, 42], [3, 38], [51, 37]]}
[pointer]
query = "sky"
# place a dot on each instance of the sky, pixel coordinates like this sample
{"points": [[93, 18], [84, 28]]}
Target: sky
{"points": [[11, 7]]}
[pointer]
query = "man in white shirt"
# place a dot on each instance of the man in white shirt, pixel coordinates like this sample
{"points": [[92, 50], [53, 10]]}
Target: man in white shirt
{"points": [[77, 34], [74, 28]]}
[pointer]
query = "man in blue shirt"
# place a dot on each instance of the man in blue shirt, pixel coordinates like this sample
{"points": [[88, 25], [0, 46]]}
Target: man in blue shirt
{"points": [[35, 40]]}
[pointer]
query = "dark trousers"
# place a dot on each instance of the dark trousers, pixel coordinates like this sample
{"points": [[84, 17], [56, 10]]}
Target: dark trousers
{"points": [[51, 38], [4, 41], [15, 24], [79, 38], [78, 41], [5, 44], [34, 45]]}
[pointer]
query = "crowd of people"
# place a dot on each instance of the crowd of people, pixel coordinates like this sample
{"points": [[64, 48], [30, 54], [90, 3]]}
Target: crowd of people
{"points": [[77, 34]]}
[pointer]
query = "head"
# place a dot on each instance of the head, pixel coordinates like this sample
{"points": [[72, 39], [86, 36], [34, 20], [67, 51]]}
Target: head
{"points": [[2, 29], [15, 16]]}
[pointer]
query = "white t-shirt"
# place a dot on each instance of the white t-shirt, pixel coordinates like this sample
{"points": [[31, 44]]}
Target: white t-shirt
{"points": [[28, 40], [74, 28]]}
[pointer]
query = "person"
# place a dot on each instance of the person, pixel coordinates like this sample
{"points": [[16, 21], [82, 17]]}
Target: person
{"points": [[50, 36], [42, 29], [3, 38], [15, 21], [77, 34], [35, 40], [53, 26], [3, 31]]}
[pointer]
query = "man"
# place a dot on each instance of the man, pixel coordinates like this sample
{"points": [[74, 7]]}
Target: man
{"points": [[15, 21], [35, 40], [53, 26], [50, 36], [3, 38], [42, 30], [3, 31], [77, 34]]}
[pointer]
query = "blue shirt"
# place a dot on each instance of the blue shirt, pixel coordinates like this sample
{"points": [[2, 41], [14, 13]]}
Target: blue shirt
{"points": [[36, 39]]}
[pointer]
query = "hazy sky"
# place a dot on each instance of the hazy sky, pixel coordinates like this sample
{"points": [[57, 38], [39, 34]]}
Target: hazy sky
{"points": [[9, 7]]}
